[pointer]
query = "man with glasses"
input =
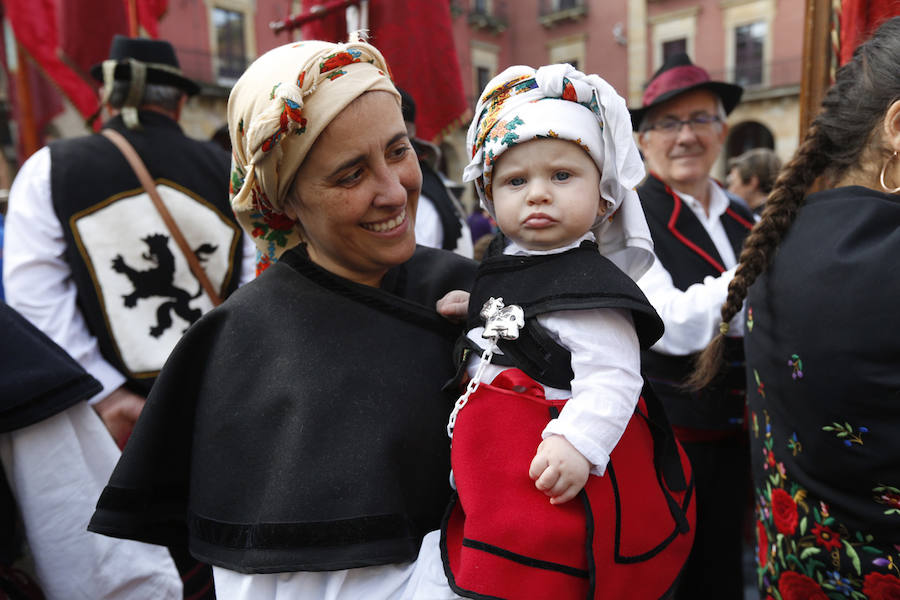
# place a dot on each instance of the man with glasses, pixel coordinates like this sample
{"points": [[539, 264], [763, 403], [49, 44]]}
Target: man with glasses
{"points": [[697, 230]]}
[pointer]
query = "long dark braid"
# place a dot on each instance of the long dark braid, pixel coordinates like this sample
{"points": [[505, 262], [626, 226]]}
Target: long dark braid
{"points": [[852, 109]]}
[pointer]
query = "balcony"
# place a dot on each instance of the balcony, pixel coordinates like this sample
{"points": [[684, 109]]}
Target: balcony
{"points": [[554, 12], [488, 15]]}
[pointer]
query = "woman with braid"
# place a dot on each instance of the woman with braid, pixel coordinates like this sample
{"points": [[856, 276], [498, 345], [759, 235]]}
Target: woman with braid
{"points": [[821, 278]]}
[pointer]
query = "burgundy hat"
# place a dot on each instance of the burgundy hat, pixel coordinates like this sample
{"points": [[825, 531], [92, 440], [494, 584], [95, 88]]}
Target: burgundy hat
{"points": [[677, 76]]}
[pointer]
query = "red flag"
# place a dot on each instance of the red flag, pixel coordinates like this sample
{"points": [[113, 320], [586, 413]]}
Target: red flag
{"points": [[859, 19], [331, 27], [83, 38], [34, 24], [416, 38], [44, 102], [149, 12]]}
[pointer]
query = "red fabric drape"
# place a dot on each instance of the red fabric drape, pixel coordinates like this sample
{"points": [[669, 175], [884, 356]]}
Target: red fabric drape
{"points": [[416, 38], [859, 18], [34, 23], [149, 14], [45, 103], [65, 38], [84, 39], [332, 27]]}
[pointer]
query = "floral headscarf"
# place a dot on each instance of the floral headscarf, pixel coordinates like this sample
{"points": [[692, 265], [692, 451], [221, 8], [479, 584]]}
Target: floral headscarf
{"points": [[558, 101], [276, 111]]}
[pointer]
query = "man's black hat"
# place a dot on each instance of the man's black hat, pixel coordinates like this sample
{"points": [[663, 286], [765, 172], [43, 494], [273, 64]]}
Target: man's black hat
{"points": [[158, 56], [678, 76]]}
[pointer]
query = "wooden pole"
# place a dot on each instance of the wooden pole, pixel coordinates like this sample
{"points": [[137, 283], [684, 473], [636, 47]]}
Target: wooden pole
{"points": [[817, 59], [133, 27], [27, 129]]}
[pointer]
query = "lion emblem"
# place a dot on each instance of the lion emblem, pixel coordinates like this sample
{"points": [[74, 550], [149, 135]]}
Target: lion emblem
{"points": [[159, 281]]}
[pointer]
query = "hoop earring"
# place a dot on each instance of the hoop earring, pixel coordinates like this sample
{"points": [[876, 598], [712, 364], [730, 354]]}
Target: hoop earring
{"points": [[883, 169]]}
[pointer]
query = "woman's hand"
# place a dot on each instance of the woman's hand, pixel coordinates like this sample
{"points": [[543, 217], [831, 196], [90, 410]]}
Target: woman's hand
{"points": [[454, 306], [119, 412], [558, 469]]}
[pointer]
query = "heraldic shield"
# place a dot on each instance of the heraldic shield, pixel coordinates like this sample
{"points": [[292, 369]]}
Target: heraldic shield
{"points": [[626, 535], [142, 279]]}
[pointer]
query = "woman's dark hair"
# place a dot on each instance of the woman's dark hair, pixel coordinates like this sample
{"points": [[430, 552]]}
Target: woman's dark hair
{"points": [[845, 127]]}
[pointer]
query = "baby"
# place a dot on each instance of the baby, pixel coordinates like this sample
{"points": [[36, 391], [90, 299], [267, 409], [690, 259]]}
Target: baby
{"points": [[554, 163]]}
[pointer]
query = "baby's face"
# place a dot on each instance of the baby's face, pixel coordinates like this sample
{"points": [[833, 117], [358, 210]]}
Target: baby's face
{"points": [[546, 193]]}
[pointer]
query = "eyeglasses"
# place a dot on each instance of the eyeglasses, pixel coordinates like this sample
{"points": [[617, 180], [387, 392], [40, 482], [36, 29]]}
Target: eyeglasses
{"points": [[701, 123]]}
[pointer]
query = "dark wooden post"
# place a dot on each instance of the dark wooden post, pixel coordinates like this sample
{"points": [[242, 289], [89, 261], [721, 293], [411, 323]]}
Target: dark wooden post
{"points": [[818, 56], [27, 129]]}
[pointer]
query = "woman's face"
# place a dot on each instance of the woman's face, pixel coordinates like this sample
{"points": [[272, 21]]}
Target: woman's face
{"points": [[356, 192]]}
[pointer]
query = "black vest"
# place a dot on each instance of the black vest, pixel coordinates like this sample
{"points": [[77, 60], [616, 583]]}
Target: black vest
{"points": [[134, 285], [301, 426], [436, 191], [686, 251], [578, 279]]}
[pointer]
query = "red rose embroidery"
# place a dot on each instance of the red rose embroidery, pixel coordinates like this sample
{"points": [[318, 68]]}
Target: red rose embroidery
{"points": [[796, 586], [762, 539], [891, 499], [784, 512], [278, 221], [878, 586], [826, 537]]}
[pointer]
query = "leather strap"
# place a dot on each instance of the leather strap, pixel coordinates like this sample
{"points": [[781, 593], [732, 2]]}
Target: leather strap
{"points": [[147, 182]]}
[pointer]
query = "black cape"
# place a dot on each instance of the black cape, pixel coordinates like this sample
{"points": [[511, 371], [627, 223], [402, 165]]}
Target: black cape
{"points": [[37, 378], [301, 425]]}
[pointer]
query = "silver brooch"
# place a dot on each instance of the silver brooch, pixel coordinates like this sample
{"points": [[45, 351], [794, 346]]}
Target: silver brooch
{"points": [[501, 321]]}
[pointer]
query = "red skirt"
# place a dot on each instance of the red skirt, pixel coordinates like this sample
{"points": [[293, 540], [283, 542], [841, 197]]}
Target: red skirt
{"points": [[626, 535]]}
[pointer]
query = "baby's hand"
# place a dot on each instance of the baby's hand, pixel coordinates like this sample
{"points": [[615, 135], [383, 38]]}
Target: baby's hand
{"points": [[454, 306], [558, 469]]}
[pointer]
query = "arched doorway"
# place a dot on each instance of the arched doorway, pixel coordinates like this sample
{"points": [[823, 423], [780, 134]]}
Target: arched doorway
{"points": [[746, 136]]}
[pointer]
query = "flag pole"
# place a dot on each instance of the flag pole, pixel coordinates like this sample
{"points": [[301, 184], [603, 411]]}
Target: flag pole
{"points": [[27, 129], [133, 26]]}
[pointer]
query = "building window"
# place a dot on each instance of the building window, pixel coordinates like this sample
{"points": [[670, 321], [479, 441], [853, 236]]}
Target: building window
{"points": [[672, 32], [482, 76], [230, 44], [481, 7], [749, 43], [672, 47], [569, 49]]}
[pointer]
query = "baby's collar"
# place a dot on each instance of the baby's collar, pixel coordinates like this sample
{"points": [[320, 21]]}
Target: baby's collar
{"points": [[514, 249]]}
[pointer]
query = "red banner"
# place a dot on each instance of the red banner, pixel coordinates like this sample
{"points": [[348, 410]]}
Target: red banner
{"points": [[416, 38], [859, 19], [34, 23], [149, 12], [84, 39], [65, 38]]}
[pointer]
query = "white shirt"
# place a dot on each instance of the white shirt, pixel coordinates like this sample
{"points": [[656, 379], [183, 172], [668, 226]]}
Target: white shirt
{"points": [[56, 469], [37, 279], [692, 316], [430, 232], [606, 365], [422, 579]]}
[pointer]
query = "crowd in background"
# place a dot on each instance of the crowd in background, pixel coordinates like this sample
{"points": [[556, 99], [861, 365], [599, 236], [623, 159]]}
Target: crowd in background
{"points": [[231, 377]]}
